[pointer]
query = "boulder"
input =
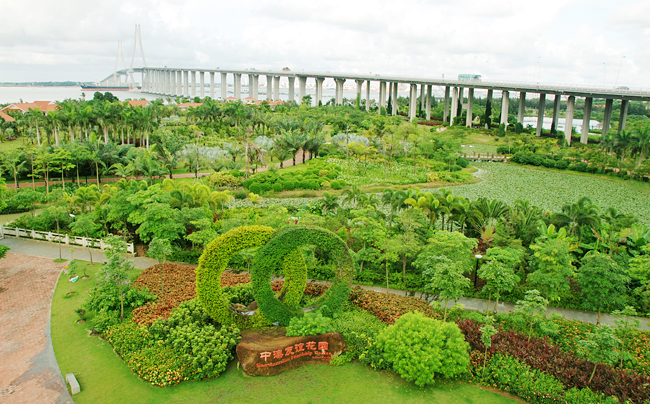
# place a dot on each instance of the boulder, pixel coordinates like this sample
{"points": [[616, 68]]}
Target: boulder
{"points": [[268, 352]]}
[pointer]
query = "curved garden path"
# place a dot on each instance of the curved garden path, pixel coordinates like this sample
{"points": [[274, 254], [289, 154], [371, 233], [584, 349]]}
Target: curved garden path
{"points": [[29, 372]]}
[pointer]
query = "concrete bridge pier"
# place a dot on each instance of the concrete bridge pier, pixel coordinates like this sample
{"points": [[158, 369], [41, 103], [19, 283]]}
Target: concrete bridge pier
{"points": [[625, 104], [302, 88], [338, 97], [413, 95], [488, 106], [212, 85], [505, 107], [276, 88], [187, 83], [237, 86], [395, 104], [470, 106], [174, 86], [179, 83], [224, 86], [256, 87], [382, 95], [445, 113], [269, 87], [319, 90], [522, 107], [607, 119], [454, 106], [168, 82], [584, 136], [359, 85], [368, 96], [292, 88], [193, 85], [429, 90], [422, 97], [568, 120], [202, 84], [461, 98], [541, 107], [556, 112]]}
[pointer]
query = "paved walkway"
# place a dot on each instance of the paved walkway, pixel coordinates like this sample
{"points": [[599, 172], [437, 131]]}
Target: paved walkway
{"points": [[29, 372]]}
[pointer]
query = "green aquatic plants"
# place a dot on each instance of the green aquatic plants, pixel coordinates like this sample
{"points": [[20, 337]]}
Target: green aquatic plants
{"points": [[213, 262], [268, 261]]}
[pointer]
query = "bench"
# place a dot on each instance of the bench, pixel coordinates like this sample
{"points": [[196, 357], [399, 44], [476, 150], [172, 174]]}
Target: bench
{"points": [[74, 384]]}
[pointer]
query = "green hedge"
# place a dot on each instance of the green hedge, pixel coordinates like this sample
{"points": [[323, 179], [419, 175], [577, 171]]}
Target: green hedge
{"points": [[268, 259], [214, 259]]}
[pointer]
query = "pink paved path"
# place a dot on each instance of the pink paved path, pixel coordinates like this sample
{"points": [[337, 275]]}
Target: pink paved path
{"points": [[29, 372]]}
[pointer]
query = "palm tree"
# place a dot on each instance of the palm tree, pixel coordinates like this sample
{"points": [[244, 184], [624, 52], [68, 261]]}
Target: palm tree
{"points": [[352, 195], [576, 217], [330, 203], [640, 144], [86, 195], [431, 207]]}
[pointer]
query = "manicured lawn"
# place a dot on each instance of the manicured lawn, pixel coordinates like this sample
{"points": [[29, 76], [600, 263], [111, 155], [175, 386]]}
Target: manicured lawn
{"points": [[105, 378]]}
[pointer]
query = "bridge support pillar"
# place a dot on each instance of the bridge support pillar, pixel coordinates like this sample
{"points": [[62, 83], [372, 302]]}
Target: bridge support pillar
{"points": [[173, 89], [359, 86], [339, 91], [256, 87], [179, 83], [193, 74], [522, 107], [428, 112], [395, 105], [568, 120], [625, 104], [276, 88], [319, 90], [269, 88], [368, 96], [488, 108], [445, 113], [212, 85], [586, 120], [167, 82], [237, 86], [422, 99], [461, 98], [302, 89], [292, 88], [541, 107], [382, 95], [607, 120], [454, 106], [470, 106], [505, 107], [156, 81], [202, 84], [223, 86], [556, 113], [187, 83], [413, 100]]}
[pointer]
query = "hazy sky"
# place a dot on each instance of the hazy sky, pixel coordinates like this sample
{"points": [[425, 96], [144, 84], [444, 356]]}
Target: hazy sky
{"points": [[560, 41]]}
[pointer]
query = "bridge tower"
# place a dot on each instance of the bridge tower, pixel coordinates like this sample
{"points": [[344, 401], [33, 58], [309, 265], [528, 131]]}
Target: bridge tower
{"points": [[137, 41]]}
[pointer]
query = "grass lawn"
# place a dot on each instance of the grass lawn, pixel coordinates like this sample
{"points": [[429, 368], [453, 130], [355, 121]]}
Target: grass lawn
{"points": [[105, 378], [11, 144]]}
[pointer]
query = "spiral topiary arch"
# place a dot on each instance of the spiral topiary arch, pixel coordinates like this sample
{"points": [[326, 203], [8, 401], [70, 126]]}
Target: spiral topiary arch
{"points": [[214, 259], [270, 257]]}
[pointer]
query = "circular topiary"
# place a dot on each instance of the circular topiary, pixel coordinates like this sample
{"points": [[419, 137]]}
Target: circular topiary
{"points": [[269, 259], [214, 259]]}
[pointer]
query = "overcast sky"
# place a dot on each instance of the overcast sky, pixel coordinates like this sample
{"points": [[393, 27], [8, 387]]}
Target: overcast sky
{"points": [[559, 41]]}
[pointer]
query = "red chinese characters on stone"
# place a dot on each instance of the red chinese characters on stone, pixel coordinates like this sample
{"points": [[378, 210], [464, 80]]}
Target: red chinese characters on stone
{"points": [[288, 350], [277, 354], [323, 345], [311, 345], [265, 355], [300, 347]]}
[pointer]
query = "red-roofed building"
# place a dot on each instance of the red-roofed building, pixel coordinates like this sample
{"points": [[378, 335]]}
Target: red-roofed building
{"points": [[6, 117], [138, 103], [188, 105], [232, 99], [249, 100], [43, 106]]}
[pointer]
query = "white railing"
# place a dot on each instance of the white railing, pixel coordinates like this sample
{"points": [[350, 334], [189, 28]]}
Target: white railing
{"points": [[58, 238]]}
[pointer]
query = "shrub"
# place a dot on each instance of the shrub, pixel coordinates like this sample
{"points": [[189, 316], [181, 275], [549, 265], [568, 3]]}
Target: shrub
{"points": [[358, 329], [336, 185], [289, 185], [222, 180], [277, 187], [312, 323], [510, 375], [463, 162], [562, 164], [421, 349], [255, 188]]}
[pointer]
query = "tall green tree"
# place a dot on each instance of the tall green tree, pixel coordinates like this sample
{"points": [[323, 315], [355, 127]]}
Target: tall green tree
{"points": [[552, 266], [603, 281]]}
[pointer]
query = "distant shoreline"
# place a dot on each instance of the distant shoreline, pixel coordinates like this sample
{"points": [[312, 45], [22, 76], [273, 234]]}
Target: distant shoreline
{"points": [[47, 84]]}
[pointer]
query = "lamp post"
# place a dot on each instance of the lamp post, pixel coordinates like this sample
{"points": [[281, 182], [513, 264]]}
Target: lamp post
{"points": [[478, 257]]}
